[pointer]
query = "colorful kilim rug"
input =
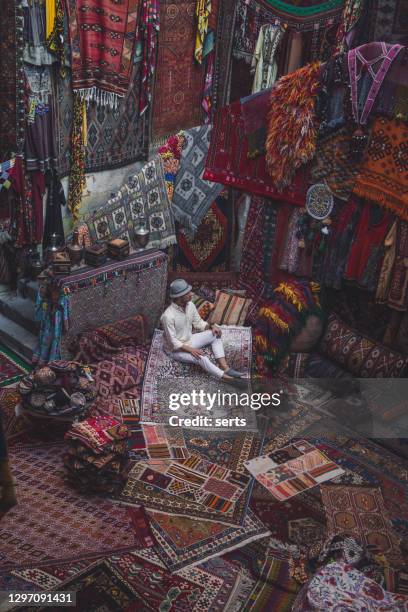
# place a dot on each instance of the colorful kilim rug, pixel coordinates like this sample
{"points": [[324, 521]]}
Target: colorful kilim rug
{"points": [[184, 542], [12, 368], [76, 527], [115, 137], [102, 47], [179, 79], [292, 469], [227, 161], [158, 442], [359, 512], [143, 195], [208, 250], [192, 195], [165, 376], [383, 176]]}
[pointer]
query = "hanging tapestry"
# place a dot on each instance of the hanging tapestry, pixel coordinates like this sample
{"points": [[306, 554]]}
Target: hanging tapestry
{"points": [[333, 163], [254, 113], [208, 250], [383, 176], [149, 27], [349, 512], [193, 196], [291, 131], [12, 115], [116, 137], [143, 195], [292, 469], [179, 78], [251, 268], [227, 161], [77, 180], [102, 42], [223, 53], [389, 21]]}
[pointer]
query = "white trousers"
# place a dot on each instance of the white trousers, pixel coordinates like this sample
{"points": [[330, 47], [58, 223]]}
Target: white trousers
{"points": [[199, 341]]}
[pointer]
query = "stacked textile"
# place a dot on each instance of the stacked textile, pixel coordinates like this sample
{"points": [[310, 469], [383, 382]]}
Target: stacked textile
{"points": [[97, 456]]}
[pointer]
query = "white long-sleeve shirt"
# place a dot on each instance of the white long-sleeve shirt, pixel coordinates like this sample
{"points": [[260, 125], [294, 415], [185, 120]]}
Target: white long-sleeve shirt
{"points": [[178, 325]]}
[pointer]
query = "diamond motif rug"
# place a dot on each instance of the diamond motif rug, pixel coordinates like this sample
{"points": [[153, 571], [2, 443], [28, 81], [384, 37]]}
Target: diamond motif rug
{"points": [[292, 469], [12, 368], [77, 527], [192, 195], [184, 542], [143, 195], [116, 137], [164, 376]]}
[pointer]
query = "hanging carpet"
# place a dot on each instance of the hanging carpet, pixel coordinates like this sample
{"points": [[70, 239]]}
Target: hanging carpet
{"points": [[227, 161], [103, 36], [116, 137], [179, 79]]}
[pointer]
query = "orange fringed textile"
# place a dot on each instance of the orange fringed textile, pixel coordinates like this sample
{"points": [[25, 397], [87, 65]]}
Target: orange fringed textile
{"points": [[291, 138], [383, 176]]}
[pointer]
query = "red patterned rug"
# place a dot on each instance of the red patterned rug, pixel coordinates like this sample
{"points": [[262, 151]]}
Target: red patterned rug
{"points": [[12, 368], [52, 522], [179, 79]]}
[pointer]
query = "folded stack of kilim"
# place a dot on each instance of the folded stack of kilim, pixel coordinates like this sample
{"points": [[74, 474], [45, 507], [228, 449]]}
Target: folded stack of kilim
{"points": [[97, 456]]}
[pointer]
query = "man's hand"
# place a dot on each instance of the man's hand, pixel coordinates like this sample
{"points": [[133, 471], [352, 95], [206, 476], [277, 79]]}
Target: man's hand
{"points": [[216, 331], [197, 353]]}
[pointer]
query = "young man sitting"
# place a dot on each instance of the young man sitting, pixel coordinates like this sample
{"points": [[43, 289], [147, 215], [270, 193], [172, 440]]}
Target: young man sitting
{"points": [[178, 321]]}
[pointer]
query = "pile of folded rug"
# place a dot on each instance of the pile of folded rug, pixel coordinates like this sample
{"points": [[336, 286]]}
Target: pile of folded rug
{"points": [[97, 458]]}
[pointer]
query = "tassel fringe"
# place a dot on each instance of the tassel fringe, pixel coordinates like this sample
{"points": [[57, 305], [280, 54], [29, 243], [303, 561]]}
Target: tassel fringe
{"points": [[101, 97]]}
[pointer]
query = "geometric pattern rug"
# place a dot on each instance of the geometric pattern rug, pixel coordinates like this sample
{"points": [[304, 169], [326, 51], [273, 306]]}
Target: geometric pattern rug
{"points": [[12, 368], [138, 577], [165, 376], [76, 526], [184, 542]]}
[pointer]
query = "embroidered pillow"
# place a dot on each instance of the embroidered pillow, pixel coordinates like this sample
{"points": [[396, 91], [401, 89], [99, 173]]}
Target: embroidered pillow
{"points": [[120, 373], [230, 309], [203, 306], [358, 354]]}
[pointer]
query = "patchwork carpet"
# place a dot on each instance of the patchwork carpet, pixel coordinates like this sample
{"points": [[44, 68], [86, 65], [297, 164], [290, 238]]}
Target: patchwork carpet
{"points": [[12, 368], [184, 542], [77, 527], [115, 137], [292, 469], [165, 377]]}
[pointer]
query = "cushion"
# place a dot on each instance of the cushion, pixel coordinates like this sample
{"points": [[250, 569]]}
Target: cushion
{"points": [[310, 335], [230, 309], [203, 306], [358, 354], [120, 373]]}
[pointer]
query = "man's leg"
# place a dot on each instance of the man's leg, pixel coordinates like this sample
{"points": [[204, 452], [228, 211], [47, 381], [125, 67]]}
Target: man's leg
{"points": [[202, 361], [204, 339]]}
